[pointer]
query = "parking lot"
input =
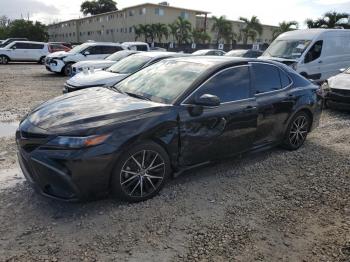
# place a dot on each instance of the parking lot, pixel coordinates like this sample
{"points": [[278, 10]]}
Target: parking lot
{"points": [[274, 205]]}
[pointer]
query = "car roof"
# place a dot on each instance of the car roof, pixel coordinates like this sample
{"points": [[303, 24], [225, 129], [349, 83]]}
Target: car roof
{"points": [[159, 54], [29, 42], [101, 43], [134, 43]]}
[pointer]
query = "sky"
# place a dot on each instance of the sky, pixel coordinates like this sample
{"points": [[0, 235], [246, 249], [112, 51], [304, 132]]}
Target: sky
{"points": [[269, 12]]}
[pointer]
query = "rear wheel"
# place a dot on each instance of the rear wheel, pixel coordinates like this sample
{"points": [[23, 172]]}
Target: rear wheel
{"points": [[4, 59], [42, 60], [141, 172], [67, 69], [297, 131]]}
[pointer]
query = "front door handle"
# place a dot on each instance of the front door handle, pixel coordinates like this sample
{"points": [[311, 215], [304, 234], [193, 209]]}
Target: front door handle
{"points": [[249, 108], [320, 62]]}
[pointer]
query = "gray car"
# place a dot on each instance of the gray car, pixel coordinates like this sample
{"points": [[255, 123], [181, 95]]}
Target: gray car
{"points": [[116, 72]]}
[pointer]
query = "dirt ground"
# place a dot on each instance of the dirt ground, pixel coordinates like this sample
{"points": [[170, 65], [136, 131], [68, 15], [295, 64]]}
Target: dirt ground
{"points": [[274, 205]]}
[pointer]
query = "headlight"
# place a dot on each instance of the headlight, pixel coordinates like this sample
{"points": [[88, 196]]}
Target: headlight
{"points": [[294, 66], [325, 86], [78, 142]]}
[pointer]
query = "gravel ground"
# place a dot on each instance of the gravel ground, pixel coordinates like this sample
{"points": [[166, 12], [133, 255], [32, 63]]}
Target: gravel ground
{"points": [[268, 206]]}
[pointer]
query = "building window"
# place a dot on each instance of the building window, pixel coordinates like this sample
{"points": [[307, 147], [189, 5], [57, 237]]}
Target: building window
{"points": [[142, 11], [131, 29], [131, 12], [125, 30], [121, 30], [184, 15], [159, 11]]}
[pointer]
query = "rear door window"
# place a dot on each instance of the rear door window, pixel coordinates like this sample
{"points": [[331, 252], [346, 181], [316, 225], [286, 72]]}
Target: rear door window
{"points": [[229, 85], [267, 78], [110, 49]]}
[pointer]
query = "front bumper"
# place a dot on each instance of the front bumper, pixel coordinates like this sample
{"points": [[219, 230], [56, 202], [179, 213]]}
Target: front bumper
{"points": [[338, 99], [65, 174], [54, 65]]}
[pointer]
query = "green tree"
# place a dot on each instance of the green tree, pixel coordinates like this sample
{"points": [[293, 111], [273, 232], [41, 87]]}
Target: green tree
{"points": [[200, 36], [330, 19], [96, 7], [24, 28], [222, 27], [160, 31], [284, 27], [252, 28], [173, 31], [183, 30]]}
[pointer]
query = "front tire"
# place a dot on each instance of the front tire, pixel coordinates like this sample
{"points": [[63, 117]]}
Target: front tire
{"points": [[297, 131], [141, 172], [4, 59], [67, 69], [41, 60]]}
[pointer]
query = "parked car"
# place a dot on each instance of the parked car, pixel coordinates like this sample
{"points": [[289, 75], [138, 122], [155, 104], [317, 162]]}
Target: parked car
{"points": [[137, 46], [213, 52], [24, 51], [157, 49], [56, 47], [102, 64], [174, 115], [63, 43], [116, 72], [316, 54], [337, 90], [249, 53], [61, 62], [10, 40]]}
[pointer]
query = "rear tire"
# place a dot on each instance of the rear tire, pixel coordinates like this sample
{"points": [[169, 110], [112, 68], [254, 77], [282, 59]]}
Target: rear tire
{"points": [[297, 131], [141, 172], [67, 69], [4, 59], [41, 60]]}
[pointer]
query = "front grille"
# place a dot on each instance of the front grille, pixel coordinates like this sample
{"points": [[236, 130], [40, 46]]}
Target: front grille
{"points": [[341, 91]]}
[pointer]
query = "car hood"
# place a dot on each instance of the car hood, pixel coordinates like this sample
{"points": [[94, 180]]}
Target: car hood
{"points": [[57, 54], [341, 81], [94, 63], [95, 78], [90, 108]]}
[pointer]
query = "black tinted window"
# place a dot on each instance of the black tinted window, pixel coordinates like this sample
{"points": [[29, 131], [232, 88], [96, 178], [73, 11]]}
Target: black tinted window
{"points": [[230, 85], [267, 78], [36, 46], [95, 50], [285, 81], [110, 49], [22, 46], [314, 52], [141, 48]]}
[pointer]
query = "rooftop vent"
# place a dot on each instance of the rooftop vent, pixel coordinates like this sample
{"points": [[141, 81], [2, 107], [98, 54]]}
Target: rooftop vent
{"points": [[164, 3]]}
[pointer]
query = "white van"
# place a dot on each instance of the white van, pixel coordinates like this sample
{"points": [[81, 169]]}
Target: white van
{"points": [[316, 54], [137, 46], [24, 51], [61, 62]]}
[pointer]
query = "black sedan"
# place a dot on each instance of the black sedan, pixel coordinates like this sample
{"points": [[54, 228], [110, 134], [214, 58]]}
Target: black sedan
{"points": [[171, 116]]}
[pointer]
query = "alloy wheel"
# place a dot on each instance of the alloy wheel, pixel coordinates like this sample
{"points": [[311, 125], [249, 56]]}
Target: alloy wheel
{"points": [[3, 60], [142, 174], [298, 131]]}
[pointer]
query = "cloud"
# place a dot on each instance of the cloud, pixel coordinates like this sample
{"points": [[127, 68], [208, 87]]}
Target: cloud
{"points": [[331, 2], [15, 8]]}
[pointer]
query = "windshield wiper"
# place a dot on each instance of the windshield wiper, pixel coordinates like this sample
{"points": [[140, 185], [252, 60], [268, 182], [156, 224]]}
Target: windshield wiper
{"points": [[137, 96]]}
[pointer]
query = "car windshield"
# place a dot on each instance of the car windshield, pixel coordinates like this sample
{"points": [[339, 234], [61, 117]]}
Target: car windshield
{"points": [[78, 49], [200, 52], [236, 53], [118, 56], [289, 49], [162, 82], [129, 65]]}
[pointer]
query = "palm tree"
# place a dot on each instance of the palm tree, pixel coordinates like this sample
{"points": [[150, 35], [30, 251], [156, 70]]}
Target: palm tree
{"points": [[143, 30], [138, 32], [252, 28], [200, 36], [173, 30], [161, 30], [330, 19], [222, 27], [284, 27], [184, 29]]}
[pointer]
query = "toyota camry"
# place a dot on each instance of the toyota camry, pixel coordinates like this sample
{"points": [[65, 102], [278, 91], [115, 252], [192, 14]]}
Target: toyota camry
{"points": [[128, 140]]}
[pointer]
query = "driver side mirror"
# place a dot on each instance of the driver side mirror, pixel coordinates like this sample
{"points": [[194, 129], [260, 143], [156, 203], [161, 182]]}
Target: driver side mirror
{"points": [[13, 47], [86, 53], [207, 100]]}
